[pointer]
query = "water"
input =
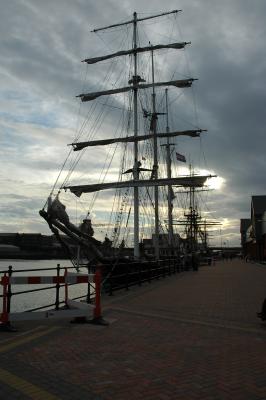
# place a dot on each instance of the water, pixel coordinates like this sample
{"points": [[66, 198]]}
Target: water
{"points": [[27, 301]]}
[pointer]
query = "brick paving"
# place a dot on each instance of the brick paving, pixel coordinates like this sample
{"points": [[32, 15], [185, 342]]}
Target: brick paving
{"points": [[190, 336]]}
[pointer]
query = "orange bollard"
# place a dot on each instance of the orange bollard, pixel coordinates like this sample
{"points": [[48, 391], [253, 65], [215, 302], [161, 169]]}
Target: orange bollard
{"points": [[97, 280], [97, 311], [4, 317], [97, 314]]}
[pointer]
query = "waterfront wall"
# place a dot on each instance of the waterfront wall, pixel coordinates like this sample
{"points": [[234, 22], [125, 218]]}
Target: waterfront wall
{"points": [[29, 246]]}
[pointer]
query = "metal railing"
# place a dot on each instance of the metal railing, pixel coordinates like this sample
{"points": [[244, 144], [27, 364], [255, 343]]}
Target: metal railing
{"points": [[126, 275], [57, 303], [115, 277]]}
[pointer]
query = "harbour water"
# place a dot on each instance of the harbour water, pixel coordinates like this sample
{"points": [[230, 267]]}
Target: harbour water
{"points": [[27, 301]]}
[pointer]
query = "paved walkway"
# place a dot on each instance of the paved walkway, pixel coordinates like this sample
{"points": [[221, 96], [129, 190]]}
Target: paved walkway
{"points": [[190, 336]]}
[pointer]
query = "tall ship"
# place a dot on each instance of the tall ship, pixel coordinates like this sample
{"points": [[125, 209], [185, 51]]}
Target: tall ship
{"points": [[120, 162]]}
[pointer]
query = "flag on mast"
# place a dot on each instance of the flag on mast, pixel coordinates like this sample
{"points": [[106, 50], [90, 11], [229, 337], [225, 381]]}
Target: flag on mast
{"points": [[180, 157]]}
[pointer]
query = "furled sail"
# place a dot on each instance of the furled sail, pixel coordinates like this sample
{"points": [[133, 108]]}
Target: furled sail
{"points": [[136, 20], [182, 83], [185, 181], [81, 145], [137, 50]]}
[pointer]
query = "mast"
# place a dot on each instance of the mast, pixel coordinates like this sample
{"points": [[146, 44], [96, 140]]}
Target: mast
{"points": [[155, 164], [135, 84], [195, 226], [192, 216], [169, 175], [135, 81], [135, 168]]}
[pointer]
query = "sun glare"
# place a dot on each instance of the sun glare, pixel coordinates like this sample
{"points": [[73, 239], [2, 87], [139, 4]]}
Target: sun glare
{"points": [[216, 183]]}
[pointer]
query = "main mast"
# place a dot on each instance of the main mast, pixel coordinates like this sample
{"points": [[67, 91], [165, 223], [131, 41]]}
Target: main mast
{"points": [[155, 165], [169, 175], [135, 168]]}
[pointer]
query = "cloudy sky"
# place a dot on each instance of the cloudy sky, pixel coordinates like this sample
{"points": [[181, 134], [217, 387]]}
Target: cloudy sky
{"points": [[42, 44]]}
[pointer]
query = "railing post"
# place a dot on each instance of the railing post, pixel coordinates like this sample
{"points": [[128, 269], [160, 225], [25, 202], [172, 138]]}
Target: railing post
{"points": [[164, 268], [66, 288], [158, 269], [111, 284], [89, 290], [139, 273], [149, 272], [9, 290], [127, 286], [57, 287]]}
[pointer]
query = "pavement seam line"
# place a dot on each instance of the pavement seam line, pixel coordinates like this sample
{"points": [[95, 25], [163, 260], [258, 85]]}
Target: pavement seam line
{"points": [[21, 385], [14, 338], [27, 339], [189, 321]]}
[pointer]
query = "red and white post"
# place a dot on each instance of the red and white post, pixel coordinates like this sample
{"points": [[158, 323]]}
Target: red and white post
{"points": [[4, 316], [97, 313], [97, 281]]}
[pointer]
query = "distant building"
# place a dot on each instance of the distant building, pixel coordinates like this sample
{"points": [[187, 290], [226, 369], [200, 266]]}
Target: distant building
{"points": [[253, 230], [148, 245], [29, 245], [245, 224], [9, 239], [7, 249]]}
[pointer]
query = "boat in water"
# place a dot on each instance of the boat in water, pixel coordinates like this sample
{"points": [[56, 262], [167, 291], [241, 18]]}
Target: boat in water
{"points": [[139, 136]]}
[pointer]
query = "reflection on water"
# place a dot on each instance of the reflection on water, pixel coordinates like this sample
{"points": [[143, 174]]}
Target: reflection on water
{"points": [[26, 301]]}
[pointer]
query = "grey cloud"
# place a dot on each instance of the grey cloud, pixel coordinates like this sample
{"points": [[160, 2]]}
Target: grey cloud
{"points": [[43, 43]]}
